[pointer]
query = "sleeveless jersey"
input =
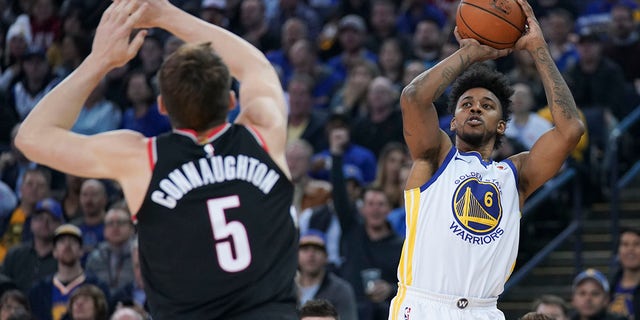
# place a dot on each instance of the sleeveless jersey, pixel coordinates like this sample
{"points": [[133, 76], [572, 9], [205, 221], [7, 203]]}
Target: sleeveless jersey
{"points": [[216, 237], [462, 228]]}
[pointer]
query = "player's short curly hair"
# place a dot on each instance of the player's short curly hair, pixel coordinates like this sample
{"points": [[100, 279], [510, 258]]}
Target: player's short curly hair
{"points": [[482, 76]]}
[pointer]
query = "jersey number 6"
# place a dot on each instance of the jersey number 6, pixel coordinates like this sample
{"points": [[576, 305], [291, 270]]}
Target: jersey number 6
{"points": [[229, 235]]}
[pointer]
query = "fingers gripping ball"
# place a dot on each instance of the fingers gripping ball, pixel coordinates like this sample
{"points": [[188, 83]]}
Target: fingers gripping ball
{"points": [[496, 23]]}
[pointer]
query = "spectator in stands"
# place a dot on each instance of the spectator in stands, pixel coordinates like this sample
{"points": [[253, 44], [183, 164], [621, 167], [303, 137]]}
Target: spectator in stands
{"points": [[352, 33], [46, 25], [552, 306], [591, 297], [303, 56], [292, 30], [98, 113], [351, 98], [391, 58], [214, 11], [392, 157], [127, 313], [299, 9], [93, 203], [151, 55], [305, 122], [132, 294], [524, 71], [370, 248], [316, 282], [338, 131], [73, 49], [111, 260], [535, 316], [143, 115], [34, 83], [383, 122], [412, 12], [34, 187], [318, 310], [12, 302], [383, 21], [50, 295], [308, 192], [30, 261], [426, 43], [254, 26], [88, 302], [623, 45], [558, 27], [17, 42], [597, 84], [525, 126], [8, 200], [625, 294]]}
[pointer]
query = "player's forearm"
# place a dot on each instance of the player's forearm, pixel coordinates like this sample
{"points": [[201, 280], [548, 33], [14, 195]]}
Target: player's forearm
{"points": [[242, 58], [561, 103], [429, 85]]}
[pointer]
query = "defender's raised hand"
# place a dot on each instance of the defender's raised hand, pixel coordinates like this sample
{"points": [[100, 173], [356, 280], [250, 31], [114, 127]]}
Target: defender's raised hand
{"points": [[112, 44]]}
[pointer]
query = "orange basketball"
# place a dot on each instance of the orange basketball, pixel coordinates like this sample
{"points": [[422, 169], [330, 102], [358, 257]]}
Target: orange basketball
{"points": [[496, 23]]}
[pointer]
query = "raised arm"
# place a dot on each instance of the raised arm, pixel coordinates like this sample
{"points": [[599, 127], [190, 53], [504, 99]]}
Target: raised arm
{"points": [[261, 97], [548, 154], [427, 143], [44, 136]]}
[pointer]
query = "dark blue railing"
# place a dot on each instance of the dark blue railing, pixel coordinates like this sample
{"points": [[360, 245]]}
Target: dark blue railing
{"points": [[618, 183], [574, 227]]}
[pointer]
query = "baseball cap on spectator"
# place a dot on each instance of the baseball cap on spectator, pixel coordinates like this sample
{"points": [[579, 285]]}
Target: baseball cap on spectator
{"points": [[67, 230], [50, 206], [214, 4], [354, 173], [592, 274], [314, 238], [352, 21]]}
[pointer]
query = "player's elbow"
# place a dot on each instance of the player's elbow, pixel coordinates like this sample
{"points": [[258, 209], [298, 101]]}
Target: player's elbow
{"points": [[26, 141], [574, 131]]}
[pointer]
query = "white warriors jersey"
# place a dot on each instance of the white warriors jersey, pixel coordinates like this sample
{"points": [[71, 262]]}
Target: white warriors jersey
{"points": [[462, 228]]}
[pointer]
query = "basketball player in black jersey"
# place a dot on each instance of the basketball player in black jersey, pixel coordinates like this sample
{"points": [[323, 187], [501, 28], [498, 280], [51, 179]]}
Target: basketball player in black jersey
{"points": [[216, 237]]}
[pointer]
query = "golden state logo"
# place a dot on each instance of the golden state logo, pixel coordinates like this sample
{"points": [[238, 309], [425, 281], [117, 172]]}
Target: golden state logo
{"points": [[477, 211]]}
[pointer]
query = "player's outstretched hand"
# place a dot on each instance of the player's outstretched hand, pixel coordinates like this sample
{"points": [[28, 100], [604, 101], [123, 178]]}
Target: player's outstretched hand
{"points": [[157, 12], [479, 51], [532, 38], [112, 44]]}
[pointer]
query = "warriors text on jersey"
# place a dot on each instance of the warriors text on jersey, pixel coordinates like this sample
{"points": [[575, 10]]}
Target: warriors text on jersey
{"points": [[462, 228], [215, 231]]}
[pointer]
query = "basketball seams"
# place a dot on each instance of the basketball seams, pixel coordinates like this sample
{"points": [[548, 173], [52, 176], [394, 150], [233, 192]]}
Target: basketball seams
{"points": [[478, 35], [493, 14]]}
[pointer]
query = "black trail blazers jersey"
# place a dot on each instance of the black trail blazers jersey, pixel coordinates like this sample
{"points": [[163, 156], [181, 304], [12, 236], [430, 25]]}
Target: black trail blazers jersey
{"points": [[216, 237]]}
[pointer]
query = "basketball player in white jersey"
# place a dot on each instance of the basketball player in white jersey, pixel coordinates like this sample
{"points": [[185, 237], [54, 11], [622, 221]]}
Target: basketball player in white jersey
{"points": [[463, 209]]}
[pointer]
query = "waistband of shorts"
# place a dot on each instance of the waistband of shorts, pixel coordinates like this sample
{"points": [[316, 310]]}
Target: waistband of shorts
{"points": [[460, 302]]}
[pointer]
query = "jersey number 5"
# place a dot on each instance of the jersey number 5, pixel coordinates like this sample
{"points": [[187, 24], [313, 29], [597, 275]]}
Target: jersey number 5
{"points": [[232, 242]]}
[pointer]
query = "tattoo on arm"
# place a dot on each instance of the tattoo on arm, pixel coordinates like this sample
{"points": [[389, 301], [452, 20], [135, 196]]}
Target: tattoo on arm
{"points": [[450, 73], [560, 96]]}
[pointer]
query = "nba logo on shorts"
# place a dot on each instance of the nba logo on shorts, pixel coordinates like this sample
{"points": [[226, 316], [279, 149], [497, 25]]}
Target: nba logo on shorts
{"points": [[407, 311]]}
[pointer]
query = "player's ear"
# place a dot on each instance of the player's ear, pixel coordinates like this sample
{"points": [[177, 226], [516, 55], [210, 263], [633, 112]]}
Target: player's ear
{"points": [[232, 99], [452, 124], [502, 127], [161, 108]]}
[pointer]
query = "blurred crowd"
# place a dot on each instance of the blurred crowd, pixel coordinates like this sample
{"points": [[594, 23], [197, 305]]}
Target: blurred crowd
{"points": [[67, 244]]}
